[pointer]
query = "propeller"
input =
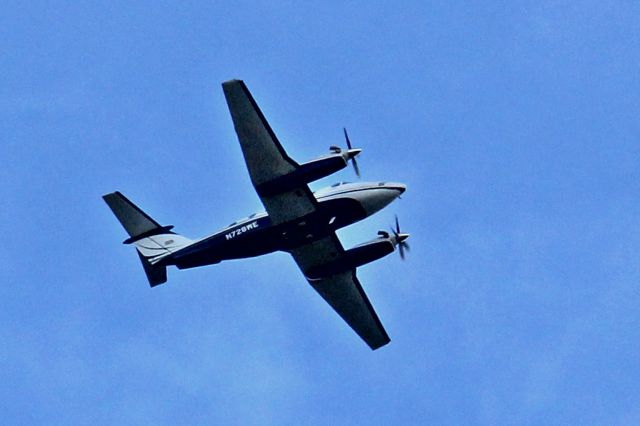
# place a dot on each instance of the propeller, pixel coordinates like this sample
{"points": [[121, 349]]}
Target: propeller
{"points": [[399, 239], [351, 152]]}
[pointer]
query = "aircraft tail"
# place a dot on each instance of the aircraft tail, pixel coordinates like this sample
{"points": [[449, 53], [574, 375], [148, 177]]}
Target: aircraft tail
{"points": [[153, 241]]}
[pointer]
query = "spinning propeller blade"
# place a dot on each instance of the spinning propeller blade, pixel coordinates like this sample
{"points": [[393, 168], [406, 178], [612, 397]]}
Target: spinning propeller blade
{"points": [[400, 239], [352, 153]]}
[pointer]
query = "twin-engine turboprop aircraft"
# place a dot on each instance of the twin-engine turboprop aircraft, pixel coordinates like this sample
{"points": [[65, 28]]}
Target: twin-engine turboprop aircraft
{"points": [[296, 220]]}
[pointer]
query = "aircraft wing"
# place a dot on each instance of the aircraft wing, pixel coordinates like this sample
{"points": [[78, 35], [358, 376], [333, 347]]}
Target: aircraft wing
{"points": [[266, 159], [342, 291]]}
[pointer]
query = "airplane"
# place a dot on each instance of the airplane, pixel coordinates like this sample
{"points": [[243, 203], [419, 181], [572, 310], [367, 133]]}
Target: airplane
{"points": [[297, 220]]}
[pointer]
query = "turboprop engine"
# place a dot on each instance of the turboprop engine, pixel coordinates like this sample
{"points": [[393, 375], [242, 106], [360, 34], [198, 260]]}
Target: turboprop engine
{"points": [[314, 169], [364, 253]]}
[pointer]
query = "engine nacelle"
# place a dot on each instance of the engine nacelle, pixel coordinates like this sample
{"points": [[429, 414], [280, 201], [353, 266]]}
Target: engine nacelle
{"points": [[306, 173], [352, 258], [309, 172]]}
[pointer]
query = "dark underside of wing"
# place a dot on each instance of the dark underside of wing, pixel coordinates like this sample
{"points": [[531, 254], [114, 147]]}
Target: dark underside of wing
{"points": [[266, 159], [346, 296], [287, 201], [343, 292]]}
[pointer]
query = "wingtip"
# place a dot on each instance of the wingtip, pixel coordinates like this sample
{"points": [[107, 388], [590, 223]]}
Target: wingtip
{"points": [[109, 195], [380, 344], [232, 81]]}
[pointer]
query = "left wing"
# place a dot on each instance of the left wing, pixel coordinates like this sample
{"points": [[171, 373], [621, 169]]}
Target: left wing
{"points": [[342, 291], [268, 164]]}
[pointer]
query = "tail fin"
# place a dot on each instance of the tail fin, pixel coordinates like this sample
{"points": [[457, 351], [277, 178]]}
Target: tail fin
{"points": [[153, 241]]}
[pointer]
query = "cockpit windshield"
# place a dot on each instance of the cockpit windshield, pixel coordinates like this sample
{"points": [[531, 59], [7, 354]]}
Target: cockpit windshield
{"points": [[339, 183]]}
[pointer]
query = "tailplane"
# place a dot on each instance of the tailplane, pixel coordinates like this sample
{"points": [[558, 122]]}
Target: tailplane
{"points": [[153, 241]]}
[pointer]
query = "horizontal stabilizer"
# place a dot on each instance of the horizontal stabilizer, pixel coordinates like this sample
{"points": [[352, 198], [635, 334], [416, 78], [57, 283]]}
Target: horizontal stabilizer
{"points": [[133, 219]]}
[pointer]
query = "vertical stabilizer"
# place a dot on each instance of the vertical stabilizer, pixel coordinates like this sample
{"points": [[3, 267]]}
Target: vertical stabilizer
{"points": [[153, 241]]}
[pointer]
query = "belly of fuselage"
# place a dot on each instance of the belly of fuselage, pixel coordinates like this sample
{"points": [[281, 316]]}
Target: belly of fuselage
{"points": [[257, 237], [266, 238]]}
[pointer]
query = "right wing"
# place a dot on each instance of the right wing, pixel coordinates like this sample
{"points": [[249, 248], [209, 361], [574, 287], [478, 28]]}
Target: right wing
{"points": [[342, 291], [266, 159]]}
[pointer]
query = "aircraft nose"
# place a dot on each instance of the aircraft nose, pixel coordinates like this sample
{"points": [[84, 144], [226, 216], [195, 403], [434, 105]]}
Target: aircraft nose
{"points": [[401, 187], [379, 196]]}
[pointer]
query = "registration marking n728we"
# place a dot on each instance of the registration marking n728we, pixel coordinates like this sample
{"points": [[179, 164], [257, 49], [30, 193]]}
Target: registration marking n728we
{"points": [[241, 230]]}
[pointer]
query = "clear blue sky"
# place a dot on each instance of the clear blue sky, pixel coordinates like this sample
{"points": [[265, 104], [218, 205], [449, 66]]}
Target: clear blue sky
{"points": [[516, 127]]}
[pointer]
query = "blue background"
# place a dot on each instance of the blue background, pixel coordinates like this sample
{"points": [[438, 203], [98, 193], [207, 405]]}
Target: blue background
{"points": [[514, 125]]}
